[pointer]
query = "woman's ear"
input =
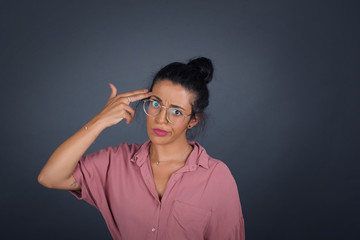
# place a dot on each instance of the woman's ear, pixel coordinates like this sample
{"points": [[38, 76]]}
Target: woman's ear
{"points": [[194, 121]]}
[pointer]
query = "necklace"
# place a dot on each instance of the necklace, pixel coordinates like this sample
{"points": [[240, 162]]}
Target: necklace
{"points": [[158, 162]]}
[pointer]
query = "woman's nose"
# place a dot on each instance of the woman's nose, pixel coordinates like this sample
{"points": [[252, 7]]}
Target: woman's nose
{"points": [[161, 117]]}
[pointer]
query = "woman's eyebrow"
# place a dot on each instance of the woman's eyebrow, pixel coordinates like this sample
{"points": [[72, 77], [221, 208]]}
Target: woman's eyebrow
{"points": [[172, 105]]}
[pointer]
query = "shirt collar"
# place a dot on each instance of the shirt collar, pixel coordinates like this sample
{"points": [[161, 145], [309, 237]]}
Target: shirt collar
{"points": [[198, 156]]}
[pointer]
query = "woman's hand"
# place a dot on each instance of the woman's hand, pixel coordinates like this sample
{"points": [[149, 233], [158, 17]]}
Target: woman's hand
{"points": [[117, 108]]}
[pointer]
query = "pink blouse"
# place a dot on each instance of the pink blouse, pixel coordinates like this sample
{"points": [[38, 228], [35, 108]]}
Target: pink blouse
{"points": [[201, 200]]}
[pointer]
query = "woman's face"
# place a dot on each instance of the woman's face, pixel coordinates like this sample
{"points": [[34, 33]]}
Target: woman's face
{"points": [[169, 94]]}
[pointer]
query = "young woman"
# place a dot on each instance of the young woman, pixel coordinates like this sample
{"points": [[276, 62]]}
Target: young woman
{"points": [[168, 187]]}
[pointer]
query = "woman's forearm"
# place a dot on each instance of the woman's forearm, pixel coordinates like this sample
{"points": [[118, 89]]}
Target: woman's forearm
{"points": [[64, 159]]}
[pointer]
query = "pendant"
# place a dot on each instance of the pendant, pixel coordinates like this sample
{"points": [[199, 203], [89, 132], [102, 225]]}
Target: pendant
{"points": [[157, 163]]}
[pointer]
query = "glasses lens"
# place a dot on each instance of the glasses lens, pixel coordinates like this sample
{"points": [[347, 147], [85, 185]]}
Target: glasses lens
{"points": [[175, 116], [152, 108]]}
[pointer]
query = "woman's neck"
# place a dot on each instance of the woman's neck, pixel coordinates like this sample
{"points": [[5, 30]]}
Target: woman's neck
{"points": [[174, 152]]}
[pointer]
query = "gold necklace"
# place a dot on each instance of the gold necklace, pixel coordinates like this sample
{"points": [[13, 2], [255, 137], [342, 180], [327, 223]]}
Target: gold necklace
{"points": [[157, 162]]}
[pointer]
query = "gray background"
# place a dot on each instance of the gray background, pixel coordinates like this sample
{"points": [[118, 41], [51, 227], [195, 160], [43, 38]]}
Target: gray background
{"points": [[284, 104]]}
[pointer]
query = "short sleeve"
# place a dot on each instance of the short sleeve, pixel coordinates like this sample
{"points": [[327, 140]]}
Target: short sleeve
{"points": [[226, 221], [91, 173]]}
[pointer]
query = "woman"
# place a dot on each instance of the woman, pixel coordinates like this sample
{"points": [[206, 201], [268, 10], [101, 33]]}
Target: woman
{"points": [[168, 187]]}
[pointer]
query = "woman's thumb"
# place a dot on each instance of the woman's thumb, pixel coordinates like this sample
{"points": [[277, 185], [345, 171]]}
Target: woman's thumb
{"points": [[113, 90]]}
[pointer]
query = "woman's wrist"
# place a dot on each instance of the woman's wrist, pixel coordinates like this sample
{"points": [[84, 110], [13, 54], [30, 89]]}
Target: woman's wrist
{"points": [[94, 127]]}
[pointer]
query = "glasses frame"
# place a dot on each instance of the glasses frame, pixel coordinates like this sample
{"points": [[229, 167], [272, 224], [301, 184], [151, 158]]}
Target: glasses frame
{"points": [[167, 111]]}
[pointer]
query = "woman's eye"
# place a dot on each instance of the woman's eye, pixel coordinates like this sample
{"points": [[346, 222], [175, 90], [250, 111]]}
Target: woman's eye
{"points": [[155, 104], [176, 112]]}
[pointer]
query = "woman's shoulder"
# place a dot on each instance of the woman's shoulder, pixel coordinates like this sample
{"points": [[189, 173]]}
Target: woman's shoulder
{"points": [[130, 148], [219, 165], [123, 147], [213, 162]]}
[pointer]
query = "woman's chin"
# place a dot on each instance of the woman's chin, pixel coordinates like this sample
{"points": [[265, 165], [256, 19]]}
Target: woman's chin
{"points": [[159, 139]]}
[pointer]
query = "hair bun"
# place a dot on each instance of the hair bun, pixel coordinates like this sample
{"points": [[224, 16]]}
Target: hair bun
{"points": [[205, 67]]}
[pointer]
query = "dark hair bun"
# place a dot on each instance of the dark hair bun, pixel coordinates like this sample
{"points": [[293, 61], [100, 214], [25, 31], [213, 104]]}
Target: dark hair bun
{"points": [[205, 67]]}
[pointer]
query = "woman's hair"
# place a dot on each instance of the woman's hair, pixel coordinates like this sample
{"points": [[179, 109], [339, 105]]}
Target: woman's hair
{"points": [[193, 76]]}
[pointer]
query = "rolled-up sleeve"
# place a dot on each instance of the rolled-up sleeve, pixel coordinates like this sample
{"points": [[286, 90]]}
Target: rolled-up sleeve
{"points": [[91, 174], [226, 221]]}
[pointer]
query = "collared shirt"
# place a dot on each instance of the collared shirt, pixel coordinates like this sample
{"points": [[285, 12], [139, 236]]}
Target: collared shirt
{"points": [[201, 199]]}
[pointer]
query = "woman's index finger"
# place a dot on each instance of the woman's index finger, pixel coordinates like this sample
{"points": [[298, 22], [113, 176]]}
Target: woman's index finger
{"points": [[131, 93], [137, 97]]}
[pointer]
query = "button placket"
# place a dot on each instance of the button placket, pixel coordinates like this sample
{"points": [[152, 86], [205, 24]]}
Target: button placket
{"points": [[155, 221], [170, 186]]}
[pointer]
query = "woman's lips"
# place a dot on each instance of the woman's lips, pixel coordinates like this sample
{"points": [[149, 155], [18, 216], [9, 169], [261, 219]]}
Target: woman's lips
{"points": [[160, 132]]}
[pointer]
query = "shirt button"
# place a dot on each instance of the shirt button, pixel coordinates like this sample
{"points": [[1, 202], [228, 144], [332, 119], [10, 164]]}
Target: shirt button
{"points": [[153, 229]]}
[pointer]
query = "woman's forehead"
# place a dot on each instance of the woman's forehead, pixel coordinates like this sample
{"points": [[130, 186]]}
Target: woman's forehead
{"points": [[170, 93]]}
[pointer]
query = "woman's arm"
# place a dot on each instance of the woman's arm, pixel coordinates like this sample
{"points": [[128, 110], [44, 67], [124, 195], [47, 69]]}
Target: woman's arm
{"points": [[57, 172], [226, 221]]}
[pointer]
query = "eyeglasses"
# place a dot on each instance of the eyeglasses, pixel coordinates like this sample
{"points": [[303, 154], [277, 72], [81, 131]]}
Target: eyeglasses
{"points": [[174, 115]]}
